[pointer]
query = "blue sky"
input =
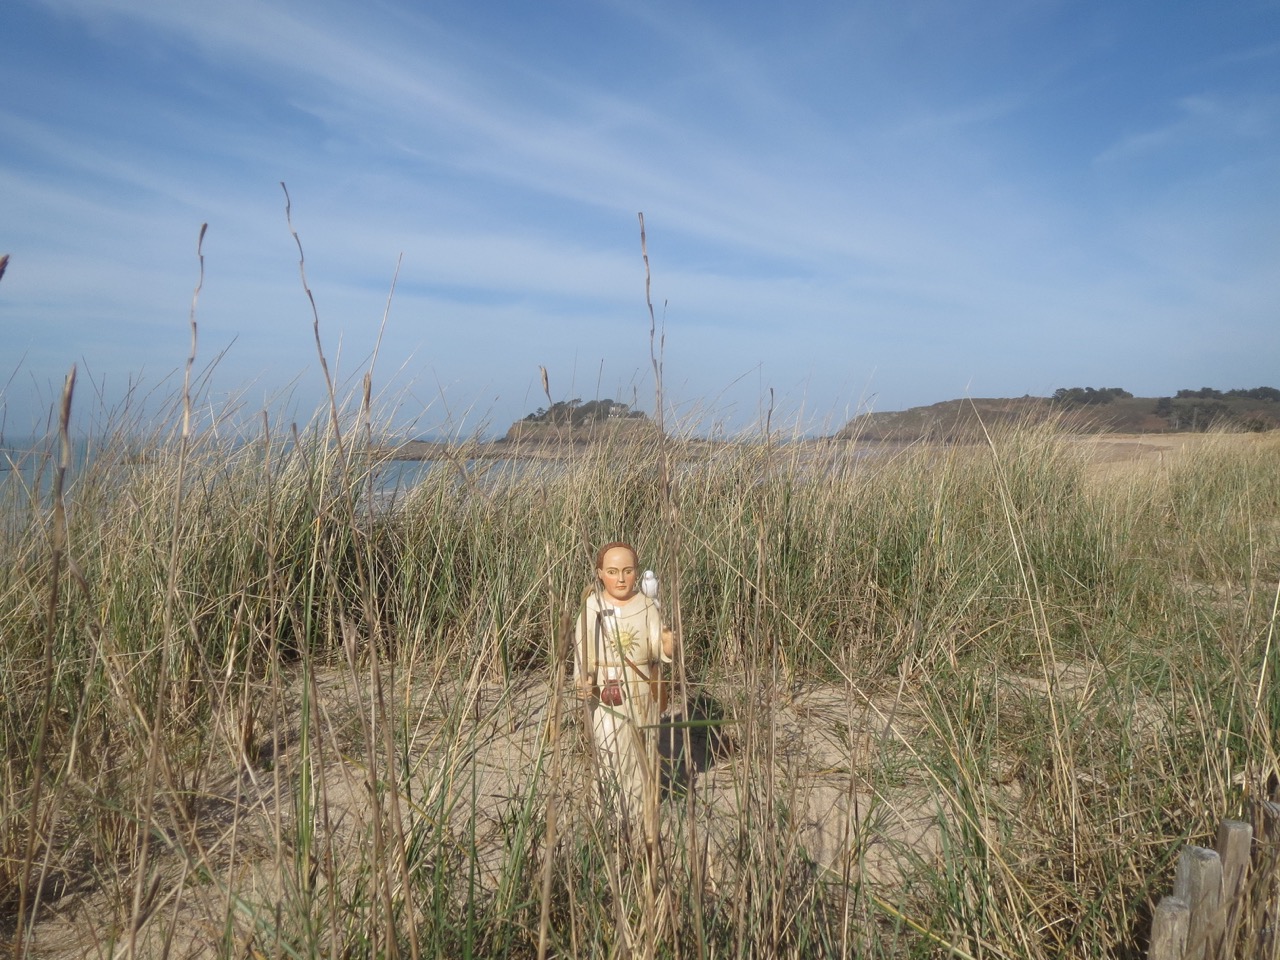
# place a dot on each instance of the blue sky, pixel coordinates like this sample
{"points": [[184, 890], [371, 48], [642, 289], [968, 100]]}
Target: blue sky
{"points": [[852, 205]]}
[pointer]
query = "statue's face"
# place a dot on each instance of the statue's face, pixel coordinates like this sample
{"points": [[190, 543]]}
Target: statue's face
{"points": [[618, 574]]}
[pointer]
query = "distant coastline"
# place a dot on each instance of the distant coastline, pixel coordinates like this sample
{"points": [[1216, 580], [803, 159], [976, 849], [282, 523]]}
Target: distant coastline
{"points": [[952, 421], [1077, 410]]}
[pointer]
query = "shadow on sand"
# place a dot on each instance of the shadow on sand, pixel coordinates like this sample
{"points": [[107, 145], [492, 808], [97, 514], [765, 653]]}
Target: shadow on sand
{"points": [[691, 739]]}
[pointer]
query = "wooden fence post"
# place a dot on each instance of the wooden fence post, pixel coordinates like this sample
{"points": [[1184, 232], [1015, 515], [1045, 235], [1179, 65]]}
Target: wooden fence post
{"points": [[1234, 846], [1169, 930], [1225, 900], [1198, 883]]}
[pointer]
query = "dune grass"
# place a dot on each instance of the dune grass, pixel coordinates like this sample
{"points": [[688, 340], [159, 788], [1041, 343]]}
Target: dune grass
{"points": [[249, 710]]}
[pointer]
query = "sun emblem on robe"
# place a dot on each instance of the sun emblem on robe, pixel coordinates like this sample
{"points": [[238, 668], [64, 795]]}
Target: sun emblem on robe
{"points": [[628, 641]]}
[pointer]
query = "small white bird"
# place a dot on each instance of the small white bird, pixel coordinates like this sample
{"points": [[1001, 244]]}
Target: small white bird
{"points": [[649, 585]]}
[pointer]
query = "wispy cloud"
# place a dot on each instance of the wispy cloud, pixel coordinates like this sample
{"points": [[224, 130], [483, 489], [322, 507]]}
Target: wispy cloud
{"points": [[1198, 121]]}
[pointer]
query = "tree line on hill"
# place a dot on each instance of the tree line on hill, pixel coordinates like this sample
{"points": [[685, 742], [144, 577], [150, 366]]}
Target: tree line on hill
{"points": [[1256, 409], [1270, 394], [1088, 396], [578, 414]]}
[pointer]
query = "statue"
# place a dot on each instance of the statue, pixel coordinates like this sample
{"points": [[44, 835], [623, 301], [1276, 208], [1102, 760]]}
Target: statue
{"points": [[620, 646]]}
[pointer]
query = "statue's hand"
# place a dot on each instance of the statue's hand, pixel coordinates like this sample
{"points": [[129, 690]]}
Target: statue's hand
{"points": [[668, 642], [585, 687]]}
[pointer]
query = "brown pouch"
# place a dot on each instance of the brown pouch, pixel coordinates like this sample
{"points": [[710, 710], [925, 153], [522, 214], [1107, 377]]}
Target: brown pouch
{"points": [[611, 693]]}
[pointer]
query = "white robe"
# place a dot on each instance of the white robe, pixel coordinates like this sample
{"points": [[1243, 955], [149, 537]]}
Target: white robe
{"points": [[624, 642]]}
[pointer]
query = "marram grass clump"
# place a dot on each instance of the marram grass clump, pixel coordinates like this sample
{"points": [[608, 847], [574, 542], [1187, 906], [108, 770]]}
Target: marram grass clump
{"points": [[954, 698]]}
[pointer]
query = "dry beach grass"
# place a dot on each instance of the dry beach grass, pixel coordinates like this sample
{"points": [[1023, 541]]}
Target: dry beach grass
{"points": [[963, 700]]}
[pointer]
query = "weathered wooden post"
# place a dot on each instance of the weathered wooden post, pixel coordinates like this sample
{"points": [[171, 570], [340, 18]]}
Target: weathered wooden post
{"points": [[1235, 842], [1169, 930], [1198, 883], [1222, 895]]}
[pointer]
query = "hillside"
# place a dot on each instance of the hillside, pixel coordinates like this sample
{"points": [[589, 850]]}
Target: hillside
{"points": [[964, 419], [574, 420]]}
